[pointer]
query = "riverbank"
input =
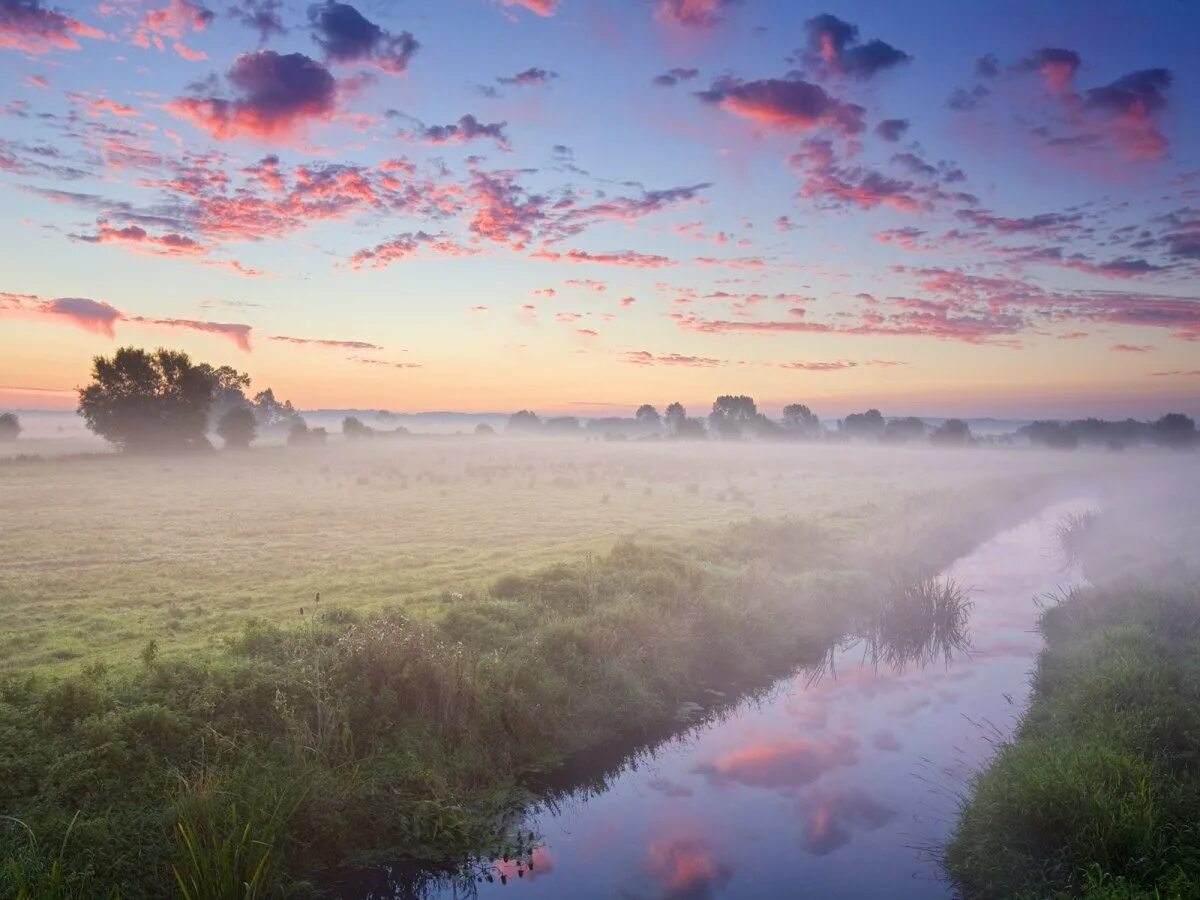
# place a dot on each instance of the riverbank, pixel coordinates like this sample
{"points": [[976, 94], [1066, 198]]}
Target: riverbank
{"points": [[1099, 794], [339, 736]]}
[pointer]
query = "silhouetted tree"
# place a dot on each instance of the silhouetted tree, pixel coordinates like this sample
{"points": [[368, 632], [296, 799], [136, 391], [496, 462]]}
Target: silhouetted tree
{"points": [[10, 427], [868, 424], [799, 418], [237, 428], [1175, 430], [901, 431], [353, 429], [483, 429], [229, 391], [1098, 432], [524, 420], [952, 433], [271, 414], [140, 401], [730, 413], [674, 415], [647, 415]]}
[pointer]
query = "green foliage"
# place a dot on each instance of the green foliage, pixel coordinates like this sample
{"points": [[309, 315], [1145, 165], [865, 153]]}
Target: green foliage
{"points": [[142, 401], [1099, 796], [227, 859], [341, 735]]}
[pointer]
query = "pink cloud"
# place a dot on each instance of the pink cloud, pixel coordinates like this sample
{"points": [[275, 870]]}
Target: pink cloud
{"points": [[785, 105], [91, 315], [646, 358], [691, 13], [32, 28], [541, 7], [408, 246], [239, 334], [1130, 348], [611, 258], [324, 342], [170, 244], [687, 867], [278, 96]]}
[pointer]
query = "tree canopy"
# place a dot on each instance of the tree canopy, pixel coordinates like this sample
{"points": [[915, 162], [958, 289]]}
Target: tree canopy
{"points": [[730, 413], [647, 415], [140, 400]]}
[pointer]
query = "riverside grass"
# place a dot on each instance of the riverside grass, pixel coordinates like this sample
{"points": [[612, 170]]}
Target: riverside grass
{"points": [[1098, 795], [340, 735]]}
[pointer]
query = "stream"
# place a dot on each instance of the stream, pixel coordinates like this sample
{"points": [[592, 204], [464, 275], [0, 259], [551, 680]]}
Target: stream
{"points": [[840, 782]]}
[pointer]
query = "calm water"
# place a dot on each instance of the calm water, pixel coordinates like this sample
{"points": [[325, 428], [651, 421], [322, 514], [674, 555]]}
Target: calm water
{"points": [[834, 787]]}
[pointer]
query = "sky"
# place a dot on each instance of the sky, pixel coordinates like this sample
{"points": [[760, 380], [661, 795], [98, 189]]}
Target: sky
{"points": [[579, 206]]}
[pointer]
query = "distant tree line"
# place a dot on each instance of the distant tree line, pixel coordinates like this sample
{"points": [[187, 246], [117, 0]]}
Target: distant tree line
{"points": [[734, 417], [1174, 430], [140, 401]]}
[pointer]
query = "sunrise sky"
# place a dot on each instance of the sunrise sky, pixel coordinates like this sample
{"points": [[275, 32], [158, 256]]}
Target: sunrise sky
{"points": [[581, 205]]}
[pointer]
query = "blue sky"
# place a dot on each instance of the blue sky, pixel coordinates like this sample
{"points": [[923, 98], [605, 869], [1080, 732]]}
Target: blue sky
{"points": [[1024, 238]]}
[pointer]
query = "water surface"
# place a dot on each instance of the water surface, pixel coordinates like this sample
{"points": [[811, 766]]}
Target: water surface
{"points": [[834, 784]]}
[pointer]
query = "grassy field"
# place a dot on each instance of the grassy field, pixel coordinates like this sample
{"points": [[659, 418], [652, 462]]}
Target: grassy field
{"points": [[488, 610], [1099, 794], [103, 553]]}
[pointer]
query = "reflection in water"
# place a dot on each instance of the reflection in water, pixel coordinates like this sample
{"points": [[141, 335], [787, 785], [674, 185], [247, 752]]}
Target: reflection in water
{"points": [[916, 623], [687, 868], [819, 786], [780, 764]]}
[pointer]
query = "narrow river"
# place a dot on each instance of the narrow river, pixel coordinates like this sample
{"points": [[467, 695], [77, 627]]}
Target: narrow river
{"points": [[832, 785]]}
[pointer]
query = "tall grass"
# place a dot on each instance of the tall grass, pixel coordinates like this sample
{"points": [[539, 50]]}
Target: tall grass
{"points": [[229, 863], [338, 736], [1098, 796]]}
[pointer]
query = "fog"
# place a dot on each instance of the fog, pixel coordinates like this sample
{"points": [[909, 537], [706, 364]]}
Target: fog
{"points": [[691, 633]]}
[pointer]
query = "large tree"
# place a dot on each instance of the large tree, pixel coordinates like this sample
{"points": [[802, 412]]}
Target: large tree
{"points": [[731, 413], [271, 414], [952, 433], [865, 424], [648, 416], [140, 401], [799, 418], [229, 391]]}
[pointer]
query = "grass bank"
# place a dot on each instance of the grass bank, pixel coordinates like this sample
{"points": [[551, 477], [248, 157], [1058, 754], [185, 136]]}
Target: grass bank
{"points": [[337, 735], [1098, 795]]}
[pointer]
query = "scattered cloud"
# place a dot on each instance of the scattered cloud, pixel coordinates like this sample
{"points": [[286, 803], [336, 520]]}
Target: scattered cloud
{"points": [[278, 95], [31, 27], [347, 36], [790, 105], [834, 48]]}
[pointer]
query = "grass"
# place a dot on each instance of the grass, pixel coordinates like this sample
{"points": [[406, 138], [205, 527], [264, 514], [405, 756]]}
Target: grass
{"points": [[322, 732], [1098, 795], [219, 675], [111, 552]]}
